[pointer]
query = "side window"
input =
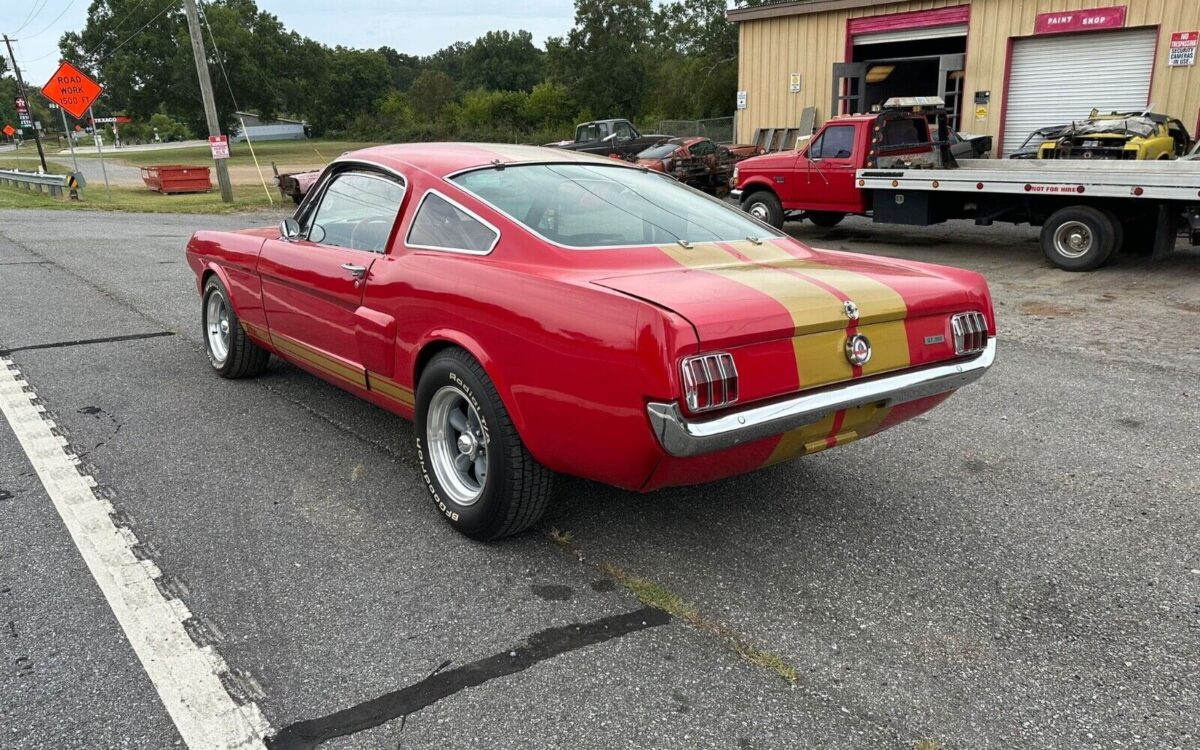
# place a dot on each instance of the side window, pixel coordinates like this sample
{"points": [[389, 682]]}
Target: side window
{"points": [[836, 142], [442, 225], [703, 148], [623, 131], [357, 211]]}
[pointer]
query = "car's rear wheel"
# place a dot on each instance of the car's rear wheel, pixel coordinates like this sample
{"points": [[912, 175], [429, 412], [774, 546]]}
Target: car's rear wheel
{"points": [[764, 206], [230, 351], [476, 468], [1078, 238], [825, 218]]}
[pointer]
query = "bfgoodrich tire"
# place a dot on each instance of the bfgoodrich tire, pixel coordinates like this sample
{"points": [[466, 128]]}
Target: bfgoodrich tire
{"points": [[230, 351], [1078, 238], [764, 206], [478, 472]]}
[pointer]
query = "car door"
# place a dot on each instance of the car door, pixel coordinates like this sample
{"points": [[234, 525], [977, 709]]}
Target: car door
{"points": [[313, 283], [830, 169]]}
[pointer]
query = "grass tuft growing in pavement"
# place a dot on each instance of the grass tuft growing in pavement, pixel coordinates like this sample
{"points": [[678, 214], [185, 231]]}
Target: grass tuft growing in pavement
{"points": [[927, 744], [654, 594]]}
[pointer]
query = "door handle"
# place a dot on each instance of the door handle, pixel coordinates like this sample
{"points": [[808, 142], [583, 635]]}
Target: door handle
{"points": [[356, 271]]}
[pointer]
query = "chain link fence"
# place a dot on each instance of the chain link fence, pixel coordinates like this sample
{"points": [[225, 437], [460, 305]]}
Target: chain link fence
{"points": [[719, 129]]}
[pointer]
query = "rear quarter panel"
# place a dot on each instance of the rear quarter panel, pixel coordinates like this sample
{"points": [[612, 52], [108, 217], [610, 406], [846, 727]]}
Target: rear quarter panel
{"points": [[573, 363]]}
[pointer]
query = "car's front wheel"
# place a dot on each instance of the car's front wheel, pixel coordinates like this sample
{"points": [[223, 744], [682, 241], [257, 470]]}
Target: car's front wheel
{"points": [[475, 466], [230, 351]]}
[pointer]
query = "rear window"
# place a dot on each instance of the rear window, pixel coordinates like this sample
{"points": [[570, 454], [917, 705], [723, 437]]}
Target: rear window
{"points": [[595, 206], [907, 131], [658, 152]]}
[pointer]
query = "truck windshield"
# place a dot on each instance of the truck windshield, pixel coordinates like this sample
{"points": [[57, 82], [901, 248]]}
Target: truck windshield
{"points": [[596, 206]]}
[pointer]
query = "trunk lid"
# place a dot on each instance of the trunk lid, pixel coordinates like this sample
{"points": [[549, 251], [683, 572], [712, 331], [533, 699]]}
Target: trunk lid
{"points": [[785, 312]]}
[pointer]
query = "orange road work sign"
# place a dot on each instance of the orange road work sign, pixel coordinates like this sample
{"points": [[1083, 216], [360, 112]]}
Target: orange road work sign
{"points": [[71, 89]]}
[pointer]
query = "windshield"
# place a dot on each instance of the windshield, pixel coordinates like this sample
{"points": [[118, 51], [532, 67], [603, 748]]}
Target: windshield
{"points": [[658, 152], [596, 206]]}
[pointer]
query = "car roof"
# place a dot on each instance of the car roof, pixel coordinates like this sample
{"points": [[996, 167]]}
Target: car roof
{"points": [[445, 159]]}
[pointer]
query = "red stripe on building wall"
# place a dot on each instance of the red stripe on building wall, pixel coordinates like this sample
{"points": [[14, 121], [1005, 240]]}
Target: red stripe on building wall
{"points": [[917, 19]]}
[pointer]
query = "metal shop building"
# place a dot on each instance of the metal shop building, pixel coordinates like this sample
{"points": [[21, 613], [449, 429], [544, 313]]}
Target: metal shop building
{"points": [[1004, 67]]}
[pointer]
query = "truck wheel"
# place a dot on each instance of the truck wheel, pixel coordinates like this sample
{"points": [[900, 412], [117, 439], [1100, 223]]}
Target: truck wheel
{"points": [[230, 351], [479, 473], [764, 206], [1078, 238], [825, 219]]}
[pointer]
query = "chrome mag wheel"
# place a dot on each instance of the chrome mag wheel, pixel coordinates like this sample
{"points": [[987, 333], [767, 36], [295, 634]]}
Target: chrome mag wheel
{"points": [[216, 325], [1073, 239], [458, 446], [759, 210]]}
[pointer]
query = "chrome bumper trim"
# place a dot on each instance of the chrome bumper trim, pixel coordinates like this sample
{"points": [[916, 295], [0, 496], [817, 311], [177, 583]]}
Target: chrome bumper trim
{"points": [[682, 438]]}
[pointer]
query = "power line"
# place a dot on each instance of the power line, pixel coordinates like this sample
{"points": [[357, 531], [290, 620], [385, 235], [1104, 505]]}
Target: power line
{"points": [[33, 11], [51, 24], [130, 38], [117, 28]]}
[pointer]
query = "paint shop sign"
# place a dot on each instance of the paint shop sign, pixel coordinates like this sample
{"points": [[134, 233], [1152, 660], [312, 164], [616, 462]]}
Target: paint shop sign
{"points": [[1183, 48]]}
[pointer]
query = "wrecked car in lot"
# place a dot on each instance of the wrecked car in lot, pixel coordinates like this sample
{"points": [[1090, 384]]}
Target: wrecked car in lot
{"points": [[295, 185], [538, 311], [696, 161], [1116, 135], [609, 137]]}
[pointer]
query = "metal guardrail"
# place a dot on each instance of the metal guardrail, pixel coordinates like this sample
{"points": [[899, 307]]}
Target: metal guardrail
{"points": [[55, 184]]}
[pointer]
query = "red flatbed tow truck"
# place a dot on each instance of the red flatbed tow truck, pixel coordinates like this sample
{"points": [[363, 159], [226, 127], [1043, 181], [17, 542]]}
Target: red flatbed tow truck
{"points": [[895, 166]]}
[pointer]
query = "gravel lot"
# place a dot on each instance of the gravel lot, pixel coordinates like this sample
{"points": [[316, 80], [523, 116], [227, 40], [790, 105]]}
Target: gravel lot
{"points": [[1019, 568]]}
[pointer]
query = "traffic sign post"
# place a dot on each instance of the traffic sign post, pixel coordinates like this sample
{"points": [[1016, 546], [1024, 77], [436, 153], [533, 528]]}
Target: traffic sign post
{"points": [[71, 145], [100, 150]]}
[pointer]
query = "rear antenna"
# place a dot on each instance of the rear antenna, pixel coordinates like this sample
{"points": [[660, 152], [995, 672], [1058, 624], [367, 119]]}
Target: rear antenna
{"points": [[684, 244], [754, 239], [499, 165]]}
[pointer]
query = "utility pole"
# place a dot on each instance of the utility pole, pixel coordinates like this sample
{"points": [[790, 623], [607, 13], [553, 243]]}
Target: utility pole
{"points": [[206, 92], [37, 138]]}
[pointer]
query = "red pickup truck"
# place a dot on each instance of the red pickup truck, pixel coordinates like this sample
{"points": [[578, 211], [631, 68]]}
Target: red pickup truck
{"points": [[818, 180], [896, 168]]}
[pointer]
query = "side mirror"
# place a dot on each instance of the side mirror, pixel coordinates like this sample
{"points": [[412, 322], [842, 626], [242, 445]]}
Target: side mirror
{"points": [[289, 230]]}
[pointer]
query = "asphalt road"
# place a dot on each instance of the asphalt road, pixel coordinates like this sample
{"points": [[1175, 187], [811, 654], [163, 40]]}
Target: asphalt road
{"points": [[1019, 568]]}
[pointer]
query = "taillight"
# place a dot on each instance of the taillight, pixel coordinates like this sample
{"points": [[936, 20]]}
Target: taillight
{"points": [[970, 332], [710, 381]]}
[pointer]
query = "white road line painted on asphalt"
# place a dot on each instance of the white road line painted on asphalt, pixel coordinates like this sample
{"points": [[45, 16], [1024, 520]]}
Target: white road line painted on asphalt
{"points": [[185, 675]]}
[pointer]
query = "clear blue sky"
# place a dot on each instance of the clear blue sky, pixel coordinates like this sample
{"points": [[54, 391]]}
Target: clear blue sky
{"points": [[413, 26]]}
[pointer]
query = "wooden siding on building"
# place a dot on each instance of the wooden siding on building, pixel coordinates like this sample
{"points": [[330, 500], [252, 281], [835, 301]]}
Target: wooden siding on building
{"points": [[771, 49]]}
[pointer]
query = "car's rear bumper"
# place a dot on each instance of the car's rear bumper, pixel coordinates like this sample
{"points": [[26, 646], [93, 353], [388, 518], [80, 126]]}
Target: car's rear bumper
{"points": [[682, 437]]}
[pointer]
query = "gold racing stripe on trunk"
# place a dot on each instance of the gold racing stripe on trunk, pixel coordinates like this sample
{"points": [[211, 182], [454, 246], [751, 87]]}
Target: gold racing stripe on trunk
{"points": [[876, 302], [322, 362], [818, 354]]}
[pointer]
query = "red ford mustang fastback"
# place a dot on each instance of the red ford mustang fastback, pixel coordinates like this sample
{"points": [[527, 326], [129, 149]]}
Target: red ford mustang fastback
{"points": [[539, 311]]}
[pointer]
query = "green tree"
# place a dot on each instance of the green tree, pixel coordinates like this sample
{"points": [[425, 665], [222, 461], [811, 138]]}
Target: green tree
{"points": [[502, 61], [604, 58], [429, 95]]}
